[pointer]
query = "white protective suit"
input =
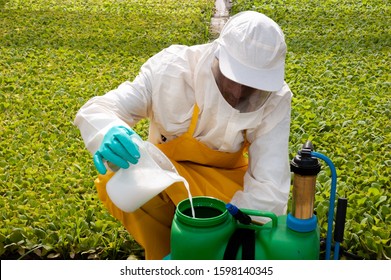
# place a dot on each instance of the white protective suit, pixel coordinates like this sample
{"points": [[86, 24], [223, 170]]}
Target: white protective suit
{"points": [[165, 91]]}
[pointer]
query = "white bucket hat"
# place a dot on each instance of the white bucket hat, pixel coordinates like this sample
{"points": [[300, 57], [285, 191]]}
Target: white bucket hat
{"points": [[252, 51]]}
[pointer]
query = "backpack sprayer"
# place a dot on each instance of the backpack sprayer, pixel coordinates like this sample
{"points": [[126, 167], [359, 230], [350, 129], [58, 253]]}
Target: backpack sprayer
{"points": [[222, 231]]}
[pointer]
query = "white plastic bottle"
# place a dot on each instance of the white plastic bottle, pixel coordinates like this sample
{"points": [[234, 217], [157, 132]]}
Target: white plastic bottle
{"points": [[130, 188]]}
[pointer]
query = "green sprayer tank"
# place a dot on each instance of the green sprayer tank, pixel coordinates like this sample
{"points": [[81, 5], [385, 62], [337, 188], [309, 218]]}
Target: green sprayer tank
{"points": [[222, 231], [215, 234]]}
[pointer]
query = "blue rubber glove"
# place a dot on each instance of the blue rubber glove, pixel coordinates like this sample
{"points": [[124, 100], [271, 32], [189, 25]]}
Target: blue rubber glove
{"points": [[118, 147]]}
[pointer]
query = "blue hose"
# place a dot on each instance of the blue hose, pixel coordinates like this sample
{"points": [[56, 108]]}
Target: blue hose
{"points": [[332, 200]]}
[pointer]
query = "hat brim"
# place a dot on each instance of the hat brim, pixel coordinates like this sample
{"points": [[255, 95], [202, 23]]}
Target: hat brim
{"points": [[268, 79]]}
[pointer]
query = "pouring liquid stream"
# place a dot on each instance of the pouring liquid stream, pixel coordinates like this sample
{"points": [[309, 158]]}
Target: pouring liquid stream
{"points": [[166, 171], [183, 180], [167, 178], [173, 177]]}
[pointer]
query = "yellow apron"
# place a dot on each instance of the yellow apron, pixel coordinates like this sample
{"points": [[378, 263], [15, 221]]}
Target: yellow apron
{"points": [[208, 172]]}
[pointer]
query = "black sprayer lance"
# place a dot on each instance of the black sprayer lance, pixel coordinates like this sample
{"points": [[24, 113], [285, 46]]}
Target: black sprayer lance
{"points": [[339, 227]]}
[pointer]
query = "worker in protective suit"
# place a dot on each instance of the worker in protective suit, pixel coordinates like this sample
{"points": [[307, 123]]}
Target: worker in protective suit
{"points": [[219, 111]]}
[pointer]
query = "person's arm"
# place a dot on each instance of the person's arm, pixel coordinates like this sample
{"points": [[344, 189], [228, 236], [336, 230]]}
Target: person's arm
{"points": [[164, 78], [267, 180], [123, 106]]}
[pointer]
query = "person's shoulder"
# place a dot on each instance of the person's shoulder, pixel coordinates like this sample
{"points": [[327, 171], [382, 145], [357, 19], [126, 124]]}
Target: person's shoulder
{"points": [[186, 52], [284, 92], [178, 58]]}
